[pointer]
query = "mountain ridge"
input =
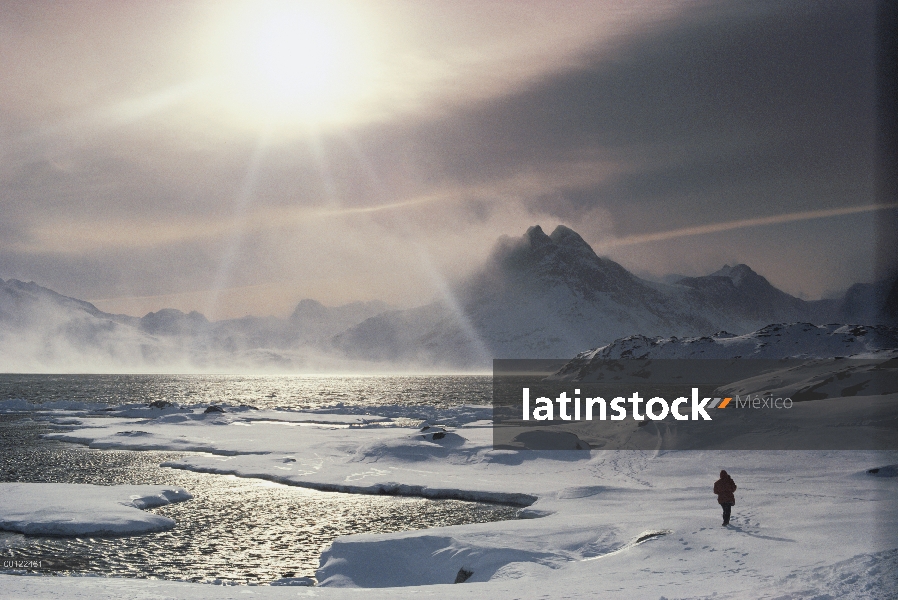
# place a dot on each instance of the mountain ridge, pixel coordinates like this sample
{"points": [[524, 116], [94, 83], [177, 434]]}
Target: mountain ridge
{"points": [[535, 296], [550, 296]]}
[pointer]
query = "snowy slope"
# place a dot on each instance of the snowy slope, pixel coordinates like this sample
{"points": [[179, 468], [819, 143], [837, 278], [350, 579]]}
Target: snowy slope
{"points": [[798, 340]]}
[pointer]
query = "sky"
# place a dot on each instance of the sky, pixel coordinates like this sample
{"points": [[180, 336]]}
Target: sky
{"points": [[236, 157]]}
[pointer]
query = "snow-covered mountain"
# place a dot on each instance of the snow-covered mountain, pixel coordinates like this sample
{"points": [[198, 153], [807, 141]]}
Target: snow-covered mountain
{"points": [[41, 330], [312, 321], [793, 340], [743, 298], [537, 296], [550, 296]]}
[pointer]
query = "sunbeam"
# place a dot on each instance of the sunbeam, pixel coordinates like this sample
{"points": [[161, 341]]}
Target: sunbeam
{"points": [[324, 172], [430, 269], [241, 203]]}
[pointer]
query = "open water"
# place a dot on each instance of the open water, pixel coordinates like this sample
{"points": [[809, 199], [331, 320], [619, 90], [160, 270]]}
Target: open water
{"points": [[234, 530]]}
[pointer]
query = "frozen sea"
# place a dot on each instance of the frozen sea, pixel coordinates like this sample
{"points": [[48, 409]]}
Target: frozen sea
{"points": [[234, 530]]}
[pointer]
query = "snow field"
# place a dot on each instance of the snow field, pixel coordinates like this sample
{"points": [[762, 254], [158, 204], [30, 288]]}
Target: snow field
{"points": [[805, 521]]}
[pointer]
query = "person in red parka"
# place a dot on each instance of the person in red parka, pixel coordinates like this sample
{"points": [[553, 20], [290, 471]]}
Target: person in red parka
{"points": [[724, 488]]}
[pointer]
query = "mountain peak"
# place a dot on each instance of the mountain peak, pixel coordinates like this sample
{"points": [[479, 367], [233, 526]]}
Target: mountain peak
{"points": [[738, 274], [565, 236], [562, 260], [309, 309], [536, 236]]}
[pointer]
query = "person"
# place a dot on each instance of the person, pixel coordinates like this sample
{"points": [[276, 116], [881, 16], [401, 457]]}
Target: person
{"points": [[724, 488]]}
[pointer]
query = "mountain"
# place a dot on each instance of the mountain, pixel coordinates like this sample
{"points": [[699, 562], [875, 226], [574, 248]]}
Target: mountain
{"points": [[41, 330], [312, 321], [870, 303], [783, 340], [539, 295], [536, 296], [777, 341], [171, 321], [739, 295], [22, 304], [550, 296]]}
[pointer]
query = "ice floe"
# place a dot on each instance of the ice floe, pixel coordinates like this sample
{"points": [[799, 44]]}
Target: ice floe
{"points": [[83, 509]]}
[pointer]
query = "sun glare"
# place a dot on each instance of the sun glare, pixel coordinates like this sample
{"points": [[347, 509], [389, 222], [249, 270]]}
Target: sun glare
{"points": [[291, 63], [296, 58]]}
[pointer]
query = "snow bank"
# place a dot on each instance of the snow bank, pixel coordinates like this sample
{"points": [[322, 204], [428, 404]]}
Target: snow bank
{"points": [[81, 509]]}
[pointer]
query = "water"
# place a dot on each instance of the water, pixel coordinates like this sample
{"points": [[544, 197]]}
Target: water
{"points": [[235, 530], [263, 391]]}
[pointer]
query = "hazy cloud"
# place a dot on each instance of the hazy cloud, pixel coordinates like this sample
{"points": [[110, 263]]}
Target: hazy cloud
{"points": [[118, 184]]}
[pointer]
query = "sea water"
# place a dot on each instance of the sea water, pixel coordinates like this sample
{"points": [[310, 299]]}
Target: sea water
{"points": [[262, 391], [234, 530]]}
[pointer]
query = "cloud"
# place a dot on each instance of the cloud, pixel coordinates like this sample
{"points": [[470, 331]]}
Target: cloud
{"points": [[741, 224], [623, 121]]}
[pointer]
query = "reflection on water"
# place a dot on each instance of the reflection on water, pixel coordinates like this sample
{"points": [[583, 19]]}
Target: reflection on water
{"points": [[262, 391], [235, 530]]}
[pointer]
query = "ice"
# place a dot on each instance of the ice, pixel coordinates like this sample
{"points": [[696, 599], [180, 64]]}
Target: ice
{"points": [[83, 509], [610, 524]]}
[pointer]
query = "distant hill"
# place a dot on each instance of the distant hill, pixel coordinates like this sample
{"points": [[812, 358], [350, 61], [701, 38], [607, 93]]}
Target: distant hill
{"points": [[777, 341], [41, 330]]}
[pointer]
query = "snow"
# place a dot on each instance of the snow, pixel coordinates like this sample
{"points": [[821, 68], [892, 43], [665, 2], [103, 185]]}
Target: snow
{"points": [[610, 524], [594, 507], [82, 509], [783, 340]]}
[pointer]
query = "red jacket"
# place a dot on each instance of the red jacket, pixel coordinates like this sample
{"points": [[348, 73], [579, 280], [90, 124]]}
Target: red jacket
{"points": [[724, 488]]}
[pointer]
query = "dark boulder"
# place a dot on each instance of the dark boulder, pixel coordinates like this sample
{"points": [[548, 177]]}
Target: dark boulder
{"points": [[463, 575]]}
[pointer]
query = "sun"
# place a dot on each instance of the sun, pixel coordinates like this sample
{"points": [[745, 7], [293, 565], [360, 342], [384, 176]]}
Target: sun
{"points": [[291, 63], [296, 58]]}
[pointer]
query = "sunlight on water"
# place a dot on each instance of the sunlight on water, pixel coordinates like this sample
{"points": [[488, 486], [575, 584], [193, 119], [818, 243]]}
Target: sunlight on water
{"points": [[234, 530], [263, 391]]}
